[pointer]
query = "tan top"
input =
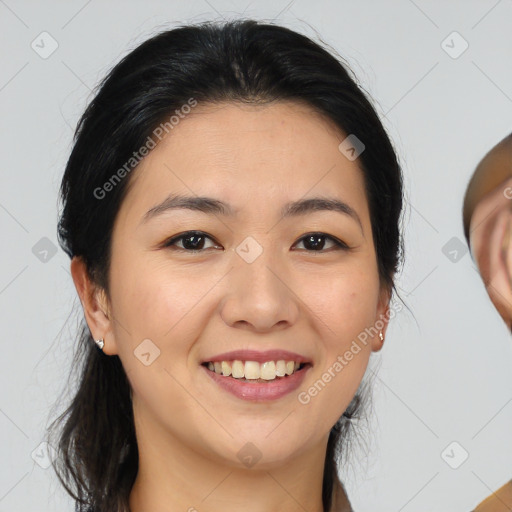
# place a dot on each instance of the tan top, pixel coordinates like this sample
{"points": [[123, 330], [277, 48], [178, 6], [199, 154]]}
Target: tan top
{"points": [[499, 501]]}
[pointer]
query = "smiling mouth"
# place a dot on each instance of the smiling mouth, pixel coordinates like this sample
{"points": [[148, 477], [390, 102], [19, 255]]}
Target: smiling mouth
{"points": [[252, 371]]}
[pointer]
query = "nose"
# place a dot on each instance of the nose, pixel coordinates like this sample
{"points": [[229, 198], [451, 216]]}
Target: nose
{"points": [[260, 295]]}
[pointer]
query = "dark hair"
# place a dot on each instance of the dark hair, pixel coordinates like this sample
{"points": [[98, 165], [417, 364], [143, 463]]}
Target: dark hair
{"points": [[235, 61]]}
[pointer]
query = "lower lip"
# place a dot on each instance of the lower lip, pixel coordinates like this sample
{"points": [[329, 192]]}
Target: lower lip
{"points": [[260, 391]]}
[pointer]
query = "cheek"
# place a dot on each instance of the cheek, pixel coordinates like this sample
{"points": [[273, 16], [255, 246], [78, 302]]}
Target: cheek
{"points": [[156, 302], [347, 310], [156, 324], [346, 302]]}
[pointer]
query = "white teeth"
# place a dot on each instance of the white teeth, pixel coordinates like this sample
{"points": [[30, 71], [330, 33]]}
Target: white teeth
{"points": [[226, 368], [268, 370], [253, 370], [281, 368], [237, 369]]}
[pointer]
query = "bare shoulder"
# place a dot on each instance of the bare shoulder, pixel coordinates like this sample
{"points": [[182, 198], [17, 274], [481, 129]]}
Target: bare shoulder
{"points": [[499, 501]]}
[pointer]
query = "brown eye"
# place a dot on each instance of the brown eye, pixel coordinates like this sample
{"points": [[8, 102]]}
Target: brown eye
{"points": [[194, 241], [315, 242], [191, 241]]}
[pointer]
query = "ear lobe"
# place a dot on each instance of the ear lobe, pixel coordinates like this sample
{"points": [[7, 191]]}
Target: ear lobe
{"points": [[94, 301], [382, 319]]}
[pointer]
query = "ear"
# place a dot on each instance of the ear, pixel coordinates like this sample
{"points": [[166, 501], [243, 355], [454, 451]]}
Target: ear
{"points": [[95, 305], [382, 318]]}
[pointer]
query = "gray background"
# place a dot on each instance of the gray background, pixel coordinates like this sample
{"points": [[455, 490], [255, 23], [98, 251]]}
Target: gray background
{"points": [[445, 372]]}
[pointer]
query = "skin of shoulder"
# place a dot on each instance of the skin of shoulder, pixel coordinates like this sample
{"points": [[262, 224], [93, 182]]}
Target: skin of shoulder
{"points": [[499, 501]]}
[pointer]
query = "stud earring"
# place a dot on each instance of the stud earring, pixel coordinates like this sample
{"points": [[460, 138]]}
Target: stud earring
{"points": [[381, 336], [100, 343]]}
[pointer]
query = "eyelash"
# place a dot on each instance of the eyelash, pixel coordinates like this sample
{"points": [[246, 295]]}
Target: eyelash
{"points": [[338, 244]]}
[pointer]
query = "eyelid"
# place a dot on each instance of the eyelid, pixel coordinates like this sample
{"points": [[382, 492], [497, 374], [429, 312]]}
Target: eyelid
{"points": [[338, 244], [169, 243]]}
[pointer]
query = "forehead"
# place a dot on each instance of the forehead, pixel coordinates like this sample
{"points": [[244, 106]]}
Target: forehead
{"points": [[249, 154]]}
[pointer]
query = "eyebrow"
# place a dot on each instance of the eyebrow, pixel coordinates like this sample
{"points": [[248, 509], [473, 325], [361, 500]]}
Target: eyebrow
{"points": [[209, 205]]}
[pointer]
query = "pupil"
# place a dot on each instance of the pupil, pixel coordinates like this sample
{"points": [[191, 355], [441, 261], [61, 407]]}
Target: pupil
{"points": [[315, 239], [194, 245]]}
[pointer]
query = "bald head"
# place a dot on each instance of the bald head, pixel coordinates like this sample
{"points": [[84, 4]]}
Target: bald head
{"points": [[487, 216], [493, 170]]}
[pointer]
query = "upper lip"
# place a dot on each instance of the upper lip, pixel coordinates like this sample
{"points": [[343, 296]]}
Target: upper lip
{"points": [[258, 356]]}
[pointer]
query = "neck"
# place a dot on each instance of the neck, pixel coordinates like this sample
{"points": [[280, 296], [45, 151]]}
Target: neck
{"points": [[176, 475]]}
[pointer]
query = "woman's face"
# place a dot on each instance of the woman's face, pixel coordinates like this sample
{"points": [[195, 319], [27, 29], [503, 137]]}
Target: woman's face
{"points": [[256, 283]]}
